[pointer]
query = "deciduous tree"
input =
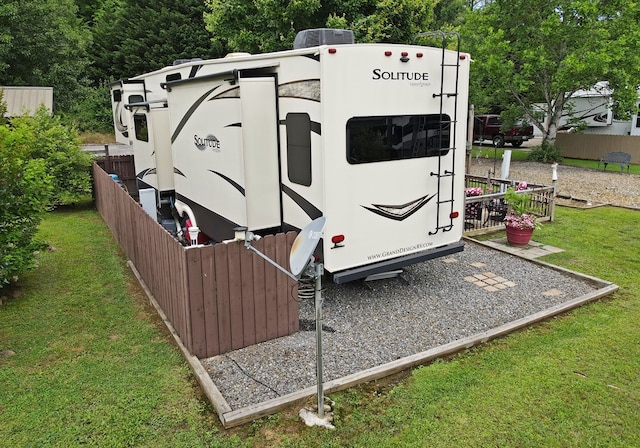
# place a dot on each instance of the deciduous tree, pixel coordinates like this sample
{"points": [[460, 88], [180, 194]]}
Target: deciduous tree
{"points": [[42, 43], [529, 53], [133, 37], [270, 25]]}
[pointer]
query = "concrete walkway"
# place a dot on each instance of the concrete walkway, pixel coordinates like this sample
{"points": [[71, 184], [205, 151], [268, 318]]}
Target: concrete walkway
{"points": [[530, 251]]}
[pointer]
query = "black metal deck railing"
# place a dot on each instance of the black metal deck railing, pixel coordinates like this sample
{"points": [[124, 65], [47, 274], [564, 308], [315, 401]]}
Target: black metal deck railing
{"points": [[485, 207]]}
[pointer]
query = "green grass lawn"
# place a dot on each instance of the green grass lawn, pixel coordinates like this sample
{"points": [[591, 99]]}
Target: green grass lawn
{"points": [[491, 152], [593, 164], [93, 366]]}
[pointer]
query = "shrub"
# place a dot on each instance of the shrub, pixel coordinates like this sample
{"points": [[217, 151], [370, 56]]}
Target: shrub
{"points": [[92, 111], [545, 153], [25, 189], [59, 147], [3, 108]]}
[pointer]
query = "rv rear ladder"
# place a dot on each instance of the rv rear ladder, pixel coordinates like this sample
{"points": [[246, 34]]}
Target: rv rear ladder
{"points": [[451, 126]]}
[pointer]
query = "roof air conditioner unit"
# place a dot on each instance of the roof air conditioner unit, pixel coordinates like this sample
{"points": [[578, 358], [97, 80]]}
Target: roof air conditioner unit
{"points": [[322, 36]]}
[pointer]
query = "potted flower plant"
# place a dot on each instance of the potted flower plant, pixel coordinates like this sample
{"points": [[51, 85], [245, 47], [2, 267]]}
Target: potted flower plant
{"points": [[519, 221], [473, 210]]}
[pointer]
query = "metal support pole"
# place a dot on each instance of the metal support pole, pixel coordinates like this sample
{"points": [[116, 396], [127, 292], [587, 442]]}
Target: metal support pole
{"points": [[318, 275]]}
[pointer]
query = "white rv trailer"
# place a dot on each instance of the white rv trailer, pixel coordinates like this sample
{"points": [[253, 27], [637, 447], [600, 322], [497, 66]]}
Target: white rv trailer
{"points": [[141, 119], [371, 136], [592, 107]]}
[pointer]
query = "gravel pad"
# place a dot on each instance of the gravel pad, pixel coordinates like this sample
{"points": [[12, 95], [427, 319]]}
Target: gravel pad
{"points": [[367, 325]]}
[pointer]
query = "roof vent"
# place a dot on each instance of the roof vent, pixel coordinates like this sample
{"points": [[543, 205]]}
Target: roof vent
{"points": [[322, 36], [237, 54], [185, 61]]}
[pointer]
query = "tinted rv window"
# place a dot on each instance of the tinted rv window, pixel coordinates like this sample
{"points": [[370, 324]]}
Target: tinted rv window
{"points": [[117, 96], [299, 148], [142, 129], [136, 99], [380, 139]]}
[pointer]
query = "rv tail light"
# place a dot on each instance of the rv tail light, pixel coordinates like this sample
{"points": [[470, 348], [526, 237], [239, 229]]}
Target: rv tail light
{"points": [[419, 55], [336, 240], [454, 215], [387, 53], [332, 50]]}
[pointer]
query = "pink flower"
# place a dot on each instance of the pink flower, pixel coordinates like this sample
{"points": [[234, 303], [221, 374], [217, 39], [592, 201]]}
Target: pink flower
{"points": [[473, 191], [522, 222]]}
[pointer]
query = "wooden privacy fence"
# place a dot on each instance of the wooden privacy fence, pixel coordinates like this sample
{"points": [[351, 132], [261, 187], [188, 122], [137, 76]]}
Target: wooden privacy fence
{"points": [[485, 212], [217, 298], [124, 167], [594, 146]]}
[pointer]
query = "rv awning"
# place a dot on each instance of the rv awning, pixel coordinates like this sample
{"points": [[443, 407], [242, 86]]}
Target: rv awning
{"points": [[235, 74]]}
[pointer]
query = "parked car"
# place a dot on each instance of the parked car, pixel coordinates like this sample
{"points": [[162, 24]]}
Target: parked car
{"points": [[489, 127]]}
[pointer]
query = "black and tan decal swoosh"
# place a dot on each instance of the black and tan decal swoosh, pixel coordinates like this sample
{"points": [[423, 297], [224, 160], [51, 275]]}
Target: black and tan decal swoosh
{"points": [[311, 210], [399, 212], [190, 112], [143, 173], [231, 182]]}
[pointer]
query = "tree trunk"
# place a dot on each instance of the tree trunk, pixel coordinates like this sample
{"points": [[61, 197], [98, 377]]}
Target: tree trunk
{"points": [[550, 135]]}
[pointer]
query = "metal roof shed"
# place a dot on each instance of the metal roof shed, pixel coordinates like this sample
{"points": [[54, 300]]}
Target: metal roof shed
{"points": [[26, 99]]}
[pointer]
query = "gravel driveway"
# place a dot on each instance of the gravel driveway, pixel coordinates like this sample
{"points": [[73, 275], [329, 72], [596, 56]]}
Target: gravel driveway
{"points": [[367, 325]]}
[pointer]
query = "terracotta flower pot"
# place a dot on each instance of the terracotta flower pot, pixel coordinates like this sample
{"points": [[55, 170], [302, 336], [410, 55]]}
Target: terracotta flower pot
{"points": [[518, 237]]}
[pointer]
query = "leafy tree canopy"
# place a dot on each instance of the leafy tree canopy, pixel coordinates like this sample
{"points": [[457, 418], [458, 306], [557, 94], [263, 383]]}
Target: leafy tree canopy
{"points": [[269, 25], [541, 52], [134, 37], [42, 43]]}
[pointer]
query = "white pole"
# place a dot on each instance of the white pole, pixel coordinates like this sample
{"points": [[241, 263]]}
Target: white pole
{"points": [[504, 169], [506, 164], [554, 179]]}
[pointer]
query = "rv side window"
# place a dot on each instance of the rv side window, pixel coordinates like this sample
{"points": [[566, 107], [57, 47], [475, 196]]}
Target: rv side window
{"points": [[380, 139], [135, 99], [142, 129], [299, 148], [117, 96]]}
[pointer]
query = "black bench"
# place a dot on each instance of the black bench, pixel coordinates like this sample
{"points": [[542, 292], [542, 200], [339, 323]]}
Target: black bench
{"points": [[620, 158]]}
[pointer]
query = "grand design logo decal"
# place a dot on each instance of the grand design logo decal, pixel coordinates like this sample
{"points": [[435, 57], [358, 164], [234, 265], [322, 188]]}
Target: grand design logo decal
{"points": [[208, 142], [399, 212]]}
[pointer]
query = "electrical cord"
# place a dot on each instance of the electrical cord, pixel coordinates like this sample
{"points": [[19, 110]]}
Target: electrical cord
{"points": [[244, 372]]}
